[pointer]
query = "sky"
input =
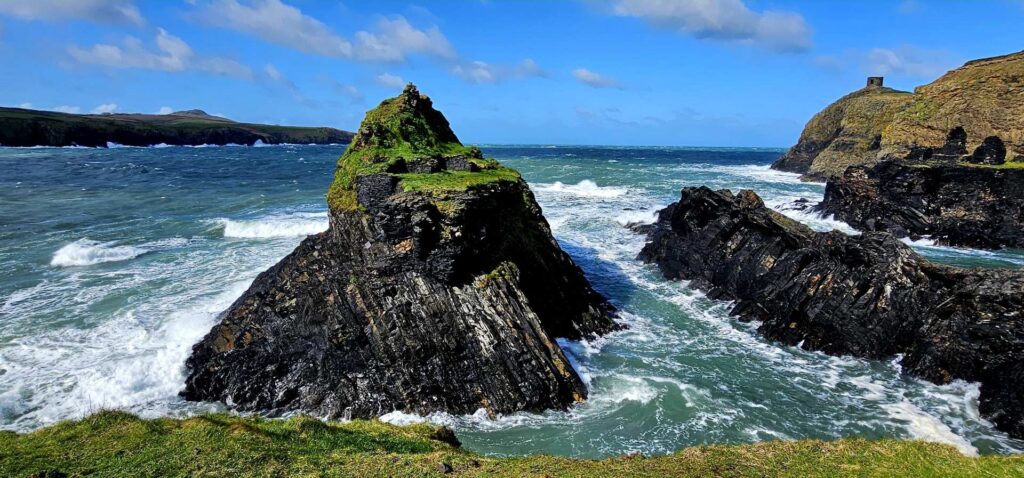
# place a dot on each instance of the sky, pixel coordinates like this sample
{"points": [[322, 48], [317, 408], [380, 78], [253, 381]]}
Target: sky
{"points": [[621, 72]]}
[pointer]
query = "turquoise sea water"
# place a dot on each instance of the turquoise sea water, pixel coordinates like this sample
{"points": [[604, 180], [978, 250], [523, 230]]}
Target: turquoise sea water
{"points": [[114, 262]]}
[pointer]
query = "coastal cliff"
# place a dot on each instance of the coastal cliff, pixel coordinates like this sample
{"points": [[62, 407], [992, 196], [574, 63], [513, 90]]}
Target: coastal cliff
{"points": [[977, 207], [869, 296], [980, 105], [22, 127], [437, 287]]}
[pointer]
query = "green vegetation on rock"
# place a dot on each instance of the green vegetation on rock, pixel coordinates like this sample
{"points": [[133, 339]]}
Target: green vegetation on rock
{"points": [[116, 444], [402, 130]]}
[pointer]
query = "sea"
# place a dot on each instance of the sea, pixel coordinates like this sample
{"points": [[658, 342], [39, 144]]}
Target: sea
{"points": [[113, 262]]}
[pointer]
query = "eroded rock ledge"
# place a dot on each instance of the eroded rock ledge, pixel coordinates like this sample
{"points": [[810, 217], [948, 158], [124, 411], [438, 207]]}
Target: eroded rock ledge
{"points": [[955, 205], [870, 295], [438, 287]]}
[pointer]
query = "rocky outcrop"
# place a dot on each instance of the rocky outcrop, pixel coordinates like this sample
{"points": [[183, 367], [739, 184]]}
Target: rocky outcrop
{"points": [[434, 289], [845, 133], [21, 127], [869, 295], [975, 106], [955, 205]]}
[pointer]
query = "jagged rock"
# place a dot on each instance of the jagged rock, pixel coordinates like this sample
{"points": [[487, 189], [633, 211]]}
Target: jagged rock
{"points": [[429, 292], [869, 295], [991, 151], [955, 205]]}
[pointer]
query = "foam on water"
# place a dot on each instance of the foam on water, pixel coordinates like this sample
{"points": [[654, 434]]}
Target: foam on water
{"points": [[586, 188], [293, 225], [86, 252]]}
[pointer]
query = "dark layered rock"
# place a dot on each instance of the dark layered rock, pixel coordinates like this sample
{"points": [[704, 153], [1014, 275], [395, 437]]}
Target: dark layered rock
{"points": [[990, 151], [869, 295], [445, 294], [955, 205]]}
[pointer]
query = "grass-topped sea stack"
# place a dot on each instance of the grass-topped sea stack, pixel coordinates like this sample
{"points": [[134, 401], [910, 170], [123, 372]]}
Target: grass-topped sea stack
{"points": [[437, 287]]}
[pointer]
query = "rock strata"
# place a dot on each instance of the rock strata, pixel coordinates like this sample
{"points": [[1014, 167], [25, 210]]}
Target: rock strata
{"points": [[869, 295], [437, 287], [954, 205]]}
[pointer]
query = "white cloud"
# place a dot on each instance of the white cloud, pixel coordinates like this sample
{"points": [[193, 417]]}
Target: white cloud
{"points": [[165, 110], [723, 20], [100, 11], [595, 80], [25, 105], [483, 72], [276, 22], [395, 38], [906, 60], [903, 60], [390, 81], [105, 108], [67, 109], [172, 55]]}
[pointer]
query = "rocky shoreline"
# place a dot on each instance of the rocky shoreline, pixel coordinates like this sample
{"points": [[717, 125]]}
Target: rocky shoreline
{"points": [[869, 296], [437, 288], [954, 205]]}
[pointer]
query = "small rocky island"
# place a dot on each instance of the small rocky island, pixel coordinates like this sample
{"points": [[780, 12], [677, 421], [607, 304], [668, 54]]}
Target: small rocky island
{"points": [[23, 127], [869, 295], [437, 287]]}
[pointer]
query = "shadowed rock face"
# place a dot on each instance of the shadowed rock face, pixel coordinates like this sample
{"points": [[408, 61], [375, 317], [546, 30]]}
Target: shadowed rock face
{"points": [[955, 205], [433, 291], [869, 296]]}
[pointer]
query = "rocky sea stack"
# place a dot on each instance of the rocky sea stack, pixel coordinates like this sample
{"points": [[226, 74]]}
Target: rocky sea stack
{"points": [[437, 287], [869, 296]]}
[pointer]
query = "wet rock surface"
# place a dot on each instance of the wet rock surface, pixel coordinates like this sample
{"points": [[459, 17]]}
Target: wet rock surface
{"points": [[869, 296], [416, 300], [954, 205]]}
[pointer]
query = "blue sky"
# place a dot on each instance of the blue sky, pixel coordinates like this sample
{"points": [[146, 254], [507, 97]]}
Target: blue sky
{"points": [[631, 72]]}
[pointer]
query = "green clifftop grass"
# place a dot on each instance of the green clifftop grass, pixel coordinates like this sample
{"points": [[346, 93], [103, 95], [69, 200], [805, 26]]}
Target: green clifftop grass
{"points": [[115, 444], [406, 128]]}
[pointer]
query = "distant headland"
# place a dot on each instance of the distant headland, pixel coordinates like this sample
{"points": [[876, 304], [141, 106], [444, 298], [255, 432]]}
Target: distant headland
{"points": [[24, 127]]}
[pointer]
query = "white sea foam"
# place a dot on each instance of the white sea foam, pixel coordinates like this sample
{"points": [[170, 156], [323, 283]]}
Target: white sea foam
{"points": [[294, 225], [923, 426], [586, 188], [86, 252]]}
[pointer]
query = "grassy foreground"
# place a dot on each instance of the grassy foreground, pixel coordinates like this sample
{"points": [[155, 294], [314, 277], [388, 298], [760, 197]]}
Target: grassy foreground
{"points": [[120, 444]]}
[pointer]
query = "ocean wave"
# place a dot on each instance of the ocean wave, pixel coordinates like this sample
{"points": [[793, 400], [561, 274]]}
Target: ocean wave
{"points": [[295, 225], [86, 252], [586, 188]]}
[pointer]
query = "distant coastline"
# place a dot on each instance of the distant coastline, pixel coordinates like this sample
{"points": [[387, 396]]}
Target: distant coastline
{"points": [[25, 128]]}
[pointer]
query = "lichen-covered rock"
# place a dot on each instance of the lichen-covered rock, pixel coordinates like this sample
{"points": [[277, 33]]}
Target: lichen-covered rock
{"points": [[869, 295], [430, 291], [954, 205]]}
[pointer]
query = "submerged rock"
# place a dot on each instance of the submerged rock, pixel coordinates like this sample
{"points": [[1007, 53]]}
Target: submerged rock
{"points": [[870, 295], [954, 205], [437, 287]]}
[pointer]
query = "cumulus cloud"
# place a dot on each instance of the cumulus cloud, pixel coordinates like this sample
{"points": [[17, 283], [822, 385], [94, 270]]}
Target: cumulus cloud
{"points": [[390, 81], [393, 39], [483, 72], [105, 108], [67, 109], [99, 11], [722, 20], [172, 54], [165, 110], [905, 60], [595, 80]]}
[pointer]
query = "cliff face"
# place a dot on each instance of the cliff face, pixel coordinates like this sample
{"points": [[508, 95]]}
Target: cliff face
{"points": [[438, 287], [845, 133], [20, 127], [955, 205], [869, 295], [982, 102]]}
